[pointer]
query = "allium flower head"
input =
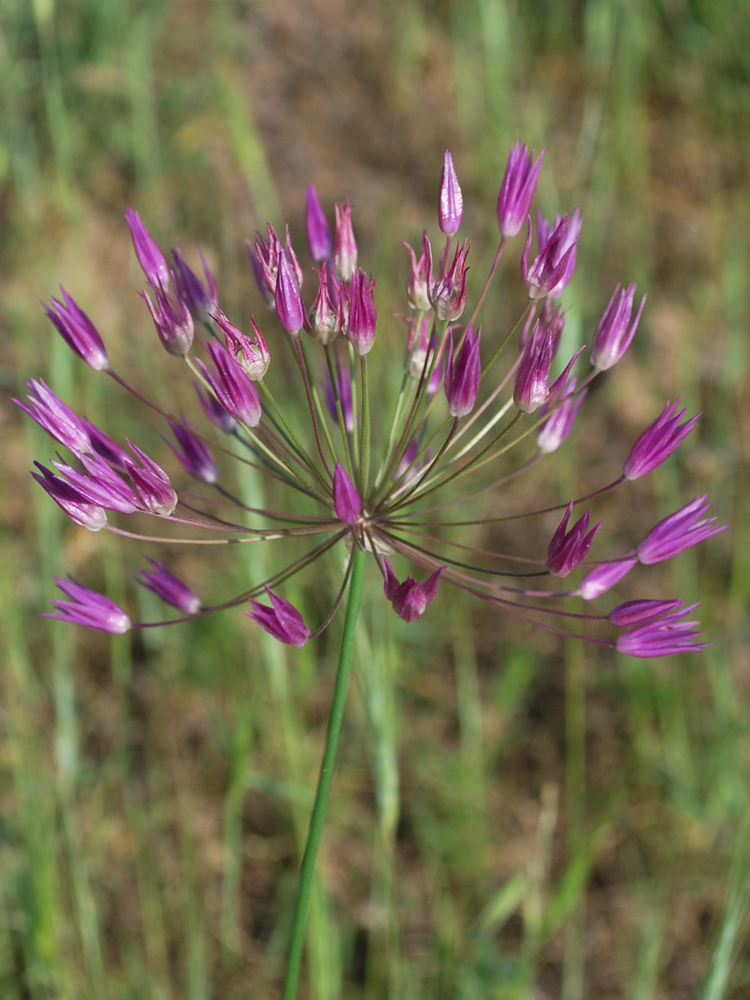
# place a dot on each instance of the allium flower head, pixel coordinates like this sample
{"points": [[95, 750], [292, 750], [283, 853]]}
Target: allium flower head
{"points": [[380, 478]]}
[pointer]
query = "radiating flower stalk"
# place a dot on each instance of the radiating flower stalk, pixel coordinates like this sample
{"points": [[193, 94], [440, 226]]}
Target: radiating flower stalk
{"points": [[378, 482]]}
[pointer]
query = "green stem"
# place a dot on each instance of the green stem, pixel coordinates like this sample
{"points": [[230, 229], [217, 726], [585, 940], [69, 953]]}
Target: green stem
{"points": [[364, 448], [307, 872]]}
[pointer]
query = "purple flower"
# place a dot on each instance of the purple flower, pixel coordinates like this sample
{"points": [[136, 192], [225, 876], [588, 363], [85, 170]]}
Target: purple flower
{"points": [[104, 445], [172, 320], [192, 454], [363, 318], [678, 532], [57, 419], [420, 276], [531, 389], [568, 549], [268, 258], [450, 199], [344, 244], [325, 317], [168, 587], [658, 441], [613, 335], [462, 373], [281, 620], [251, 354], [517, 189], [569, 242], [149, 255], [640, 612], [78, 332], [100, 485], [289, 306], [231, 386], [603, 578], [548, 273], [665, 637], [199, 299], [152, 483], [448, 294], [256, 265], [73, 504], [559, 424], [89, 608], [318, 230], [214, 410], [346, 500], [409, 599]]}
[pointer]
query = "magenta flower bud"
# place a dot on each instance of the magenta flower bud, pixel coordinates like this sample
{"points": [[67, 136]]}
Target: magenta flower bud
{"points": [[346, 500], [325, 317], [613, 335], [344, 244], [409, 599], [678, 532], [658, 441], [150, 257], [665, 637], [251, 354], [256, 265], [603, 578], [172, 320], [450, 199], [57, 419], [231, 386], [568, 549], [70, 500], [517, 189], [559, 424], [420, 276], [104, 445], [570, 242], [448, 294], [462, 373], [89, 608], [363, 318], [78, 332], [214, 410], [100, 485], [168, 587], [281, 620], [548, 272], [269, 259], [531, 389], [289, 306], [192, 454], [152, 483], [318, 230], [641, 612], [199, 299]]}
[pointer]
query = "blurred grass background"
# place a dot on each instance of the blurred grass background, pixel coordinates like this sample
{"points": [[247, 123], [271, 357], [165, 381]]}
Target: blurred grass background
{"points": [[513, 817]]}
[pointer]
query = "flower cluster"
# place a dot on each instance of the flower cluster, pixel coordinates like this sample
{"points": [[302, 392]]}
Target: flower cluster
{"points": [[380, 488]]}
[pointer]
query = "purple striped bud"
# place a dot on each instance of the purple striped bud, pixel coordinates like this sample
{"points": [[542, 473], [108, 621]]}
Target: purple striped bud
{"points": [[548, 273], [268, 256], [363, 318], [214, 410], [517, 189], [57, 419], [346, 500], [100, 485], [281, 620], [450, 199], [252, 355], [603, 578], [70, 501], [104, 445], [613, 335], [192, 454], [199, 299], [231, 386], [568, 549], [289, 306], [344, 244], [665, 637], [570, 242], [420, 276], [658, 441], [325, 317], [78, 332], [559, 424], [640, 612], [89, 608], [462, 373], [258, 274], [448, 294], [531, 389], [149, 255], [318, 231], [410, 598], [678, 532], [152, 483], [168, 587], [172, 320]]}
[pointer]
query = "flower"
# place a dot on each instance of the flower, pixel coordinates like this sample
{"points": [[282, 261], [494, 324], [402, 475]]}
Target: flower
{"points": [[373, 475]]}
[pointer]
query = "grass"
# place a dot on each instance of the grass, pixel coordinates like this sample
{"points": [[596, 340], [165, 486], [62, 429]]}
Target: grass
{"points": [[512, 816]]}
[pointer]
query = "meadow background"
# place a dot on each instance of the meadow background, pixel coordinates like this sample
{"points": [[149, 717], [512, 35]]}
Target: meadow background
{"points": [[513, 816]]}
